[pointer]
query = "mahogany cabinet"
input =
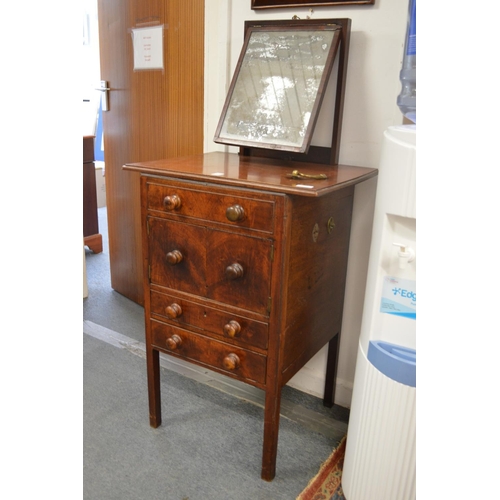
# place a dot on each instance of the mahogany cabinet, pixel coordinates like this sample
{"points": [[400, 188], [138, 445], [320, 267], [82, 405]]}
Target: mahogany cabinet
{"points": [[245, 269]]}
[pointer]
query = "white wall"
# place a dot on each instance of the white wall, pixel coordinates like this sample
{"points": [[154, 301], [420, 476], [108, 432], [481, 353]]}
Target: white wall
{"points": [[376, 49]]}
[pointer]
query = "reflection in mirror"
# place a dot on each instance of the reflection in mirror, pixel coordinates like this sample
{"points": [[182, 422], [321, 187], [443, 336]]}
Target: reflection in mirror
{"points": [[277, 88]]}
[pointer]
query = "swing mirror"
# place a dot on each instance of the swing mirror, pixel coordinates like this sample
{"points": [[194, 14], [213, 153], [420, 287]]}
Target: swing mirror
{"points": [[278, 86]]}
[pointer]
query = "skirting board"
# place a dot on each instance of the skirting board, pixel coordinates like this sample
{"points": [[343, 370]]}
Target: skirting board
{"points": [[308, 381]]}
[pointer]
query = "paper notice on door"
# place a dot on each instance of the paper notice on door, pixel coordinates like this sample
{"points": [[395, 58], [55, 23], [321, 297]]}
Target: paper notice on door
{"points": [[399, 297], [148, 47]]}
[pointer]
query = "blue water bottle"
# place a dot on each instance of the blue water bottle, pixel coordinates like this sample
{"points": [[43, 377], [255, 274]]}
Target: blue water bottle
{"points": [[407, 99]]}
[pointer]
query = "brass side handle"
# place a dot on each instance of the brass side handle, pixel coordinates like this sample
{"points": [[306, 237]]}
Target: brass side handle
{"points": [[234, 271], [231, 361], [330, 225], [174, 257], [172, 202], [232, 328], [235, 213], [173, 310]]}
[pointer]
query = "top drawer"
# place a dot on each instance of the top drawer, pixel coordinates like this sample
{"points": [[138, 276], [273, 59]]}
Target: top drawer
{"points": [[235, 208]]}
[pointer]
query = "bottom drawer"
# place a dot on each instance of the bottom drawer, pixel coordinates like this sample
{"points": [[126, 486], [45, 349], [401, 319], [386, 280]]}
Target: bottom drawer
{"points": [[241, 363]]}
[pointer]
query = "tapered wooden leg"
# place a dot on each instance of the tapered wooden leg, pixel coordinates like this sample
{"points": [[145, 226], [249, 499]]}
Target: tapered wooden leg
{"points": [[331, 371], [271, 430], [153, 370]]}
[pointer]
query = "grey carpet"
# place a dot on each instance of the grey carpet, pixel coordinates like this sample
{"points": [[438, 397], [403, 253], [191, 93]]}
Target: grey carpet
{"points": [[208, 447], [210, 443]]}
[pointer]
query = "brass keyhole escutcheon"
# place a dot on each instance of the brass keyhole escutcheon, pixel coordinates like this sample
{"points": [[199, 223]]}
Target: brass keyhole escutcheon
{"points": [[330, 225], [315, 232]]}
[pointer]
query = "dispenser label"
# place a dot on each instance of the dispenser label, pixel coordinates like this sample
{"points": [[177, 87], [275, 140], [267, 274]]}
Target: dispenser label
{"points": [[399, 297]]}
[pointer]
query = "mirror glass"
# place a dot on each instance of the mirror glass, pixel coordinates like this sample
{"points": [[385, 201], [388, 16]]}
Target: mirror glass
{"points": [[277, 88]]}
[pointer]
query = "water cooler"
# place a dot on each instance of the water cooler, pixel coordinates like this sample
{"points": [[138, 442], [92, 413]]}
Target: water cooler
{"points": [[381, 443]]}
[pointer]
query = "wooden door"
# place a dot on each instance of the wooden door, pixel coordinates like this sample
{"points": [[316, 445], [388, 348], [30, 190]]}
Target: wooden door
{"points": [[152, 114]]}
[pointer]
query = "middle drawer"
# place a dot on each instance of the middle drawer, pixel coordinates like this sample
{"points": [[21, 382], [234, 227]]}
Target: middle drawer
{"points": [[186, 314]]}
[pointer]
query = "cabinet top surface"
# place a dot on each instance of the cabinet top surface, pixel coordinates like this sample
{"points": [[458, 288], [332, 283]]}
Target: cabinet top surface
{"points": [[258, 173]]}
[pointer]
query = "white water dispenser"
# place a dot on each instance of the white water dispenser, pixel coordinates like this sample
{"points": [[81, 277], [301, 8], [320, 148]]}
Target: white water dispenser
{"points": [[381, 443]]}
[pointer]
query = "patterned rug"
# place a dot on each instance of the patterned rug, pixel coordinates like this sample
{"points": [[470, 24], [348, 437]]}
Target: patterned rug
{"points": [[326, 484]]}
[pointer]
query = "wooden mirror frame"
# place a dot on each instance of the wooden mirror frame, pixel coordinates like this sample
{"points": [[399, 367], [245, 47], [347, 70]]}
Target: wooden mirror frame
{"points": [[328, 155], [278, 86]]}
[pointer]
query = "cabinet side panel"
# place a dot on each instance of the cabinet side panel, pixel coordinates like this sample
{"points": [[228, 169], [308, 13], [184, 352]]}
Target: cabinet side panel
{"points": [[143, 180], [320, 232]]}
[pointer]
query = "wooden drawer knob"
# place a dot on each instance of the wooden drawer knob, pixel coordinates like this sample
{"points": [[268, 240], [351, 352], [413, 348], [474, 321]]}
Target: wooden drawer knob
{"points": [[231, 361], [174, 342], [174, 257], [173, 310], [172, 202], [232, 328], [234, 271], [235, 213]]}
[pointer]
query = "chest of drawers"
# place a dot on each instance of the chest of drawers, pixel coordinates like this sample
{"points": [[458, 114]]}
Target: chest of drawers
{"points": [[244, 270]]}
